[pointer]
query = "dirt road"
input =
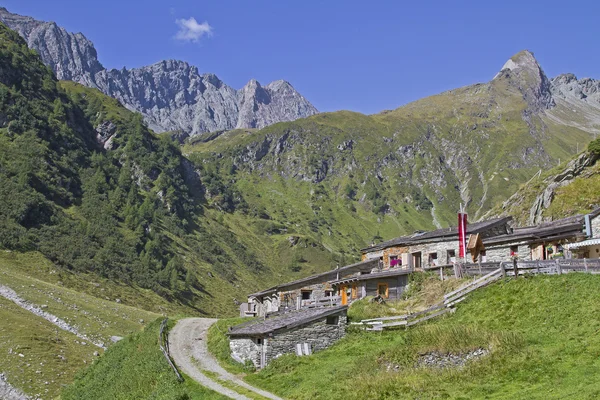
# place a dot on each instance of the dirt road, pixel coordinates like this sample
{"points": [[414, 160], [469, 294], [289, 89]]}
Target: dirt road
{"points": [[187, 342]]}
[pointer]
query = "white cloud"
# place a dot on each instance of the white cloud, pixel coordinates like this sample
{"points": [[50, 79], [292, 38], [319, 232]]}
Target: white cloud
{"points": [[191, 31]]}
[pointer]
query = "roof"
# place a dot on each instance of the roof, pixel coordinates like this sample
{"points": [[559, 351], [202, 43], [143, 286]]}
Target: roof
{"points": [[376, 275], [589, 242], [560, 229], [319, 278], [262, 327], [444, 233]]}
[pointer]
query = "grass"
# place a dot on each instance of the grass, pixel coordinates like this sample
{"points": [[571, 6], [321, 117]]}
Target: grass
{"points": [[425, 290], [542, 334], [37, 357], [135, 368]]}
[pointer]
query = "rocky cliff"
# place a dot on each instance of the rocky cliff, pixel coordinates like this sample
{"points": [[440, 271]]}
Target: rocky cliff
{"points": [[171, 95]]}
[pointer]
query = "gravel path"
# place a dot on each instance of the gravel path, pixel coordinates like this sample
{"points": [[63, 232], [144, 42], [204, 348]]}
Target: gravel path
{"points": [[11, 295], [9, 392], [187, 342]]}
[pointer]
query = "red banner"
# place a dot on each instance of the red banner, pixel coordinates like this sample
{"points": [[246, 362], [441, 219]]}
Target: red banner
{"points": [[462, 234]]}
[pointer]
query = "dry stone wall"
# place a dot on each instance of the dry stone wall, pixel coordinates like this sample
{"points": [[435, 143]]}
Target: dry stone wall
{"points": [[319, 335]]}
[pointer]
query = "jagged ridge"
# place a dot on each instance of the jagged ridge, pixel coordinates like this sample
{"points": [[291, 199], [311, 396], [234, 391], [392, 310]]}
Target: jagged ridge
{"points": [[171, 95]]}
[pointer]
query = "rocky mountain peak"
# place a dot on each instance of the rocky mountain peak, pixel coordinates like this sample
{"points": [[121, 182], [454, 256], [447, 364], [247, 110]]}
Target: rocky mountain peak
{"points": [[71, 55], [278, 101], [524, 72], [172, 95], [522, 60]]}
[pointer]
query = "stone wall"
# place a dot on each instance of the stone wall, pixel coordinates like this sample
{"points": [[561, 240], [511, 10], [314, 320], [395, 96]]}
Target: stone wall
{"points": [[318, 334], [393, 251], [243, 349], [440, 248], [596, 227]]}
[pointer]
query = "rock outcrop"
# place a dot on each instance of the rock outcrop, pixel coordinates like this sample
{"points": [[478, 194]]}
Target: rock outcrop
{"points": [[573, 170], [567, 86], [171, 95]]}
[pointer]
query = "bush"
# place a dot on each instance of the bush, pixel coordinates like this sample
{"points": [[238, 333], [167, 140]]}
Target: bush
{"points": [[594, 147]]}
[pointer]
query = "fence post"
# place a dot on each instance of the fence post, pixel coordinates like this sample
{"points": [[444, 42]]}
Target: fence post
{"points": [[502, 270], [558, 268], [441, 274], [515, 268], [585, 264]]}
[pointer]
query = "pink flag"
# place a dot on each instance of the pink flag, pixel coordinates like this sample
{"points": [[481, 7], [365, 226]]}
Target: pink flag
{"points": [[462, 234]]}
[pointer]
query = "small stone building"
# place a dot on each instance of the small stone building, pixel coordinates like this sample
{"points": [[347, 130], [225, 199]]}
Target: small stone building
{"points": [[299, 332], [296, 294], [388, 285], [432, 249]]}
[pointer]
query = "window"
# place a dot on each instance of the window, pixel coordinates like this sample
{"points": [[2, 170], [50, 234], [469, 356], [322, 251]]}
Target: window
{"points": [[306, 294], [328, 293], [514, 251], [333, 320], [382, 290], [259, 341], [451, 254], [433, 260], [395, 261]]}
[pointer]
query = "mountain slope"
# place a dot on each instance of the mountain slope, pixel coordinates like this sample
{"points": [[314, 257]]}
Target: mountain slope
{"points": [[172, 95], [348, 179], [85, 183], [571, 188]]}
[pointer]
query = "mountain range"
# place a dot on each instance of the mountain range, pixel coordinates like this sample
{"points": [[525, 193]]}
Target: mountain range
{"points": [[171, 95], [98, 207]]}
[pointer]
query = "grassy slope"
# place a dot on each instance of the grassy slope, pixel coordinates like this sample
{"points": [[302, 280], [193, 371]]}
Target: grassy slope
{"points": [[542, 334], [473, 136], [579, 196], [135, 368], [87, 303]]}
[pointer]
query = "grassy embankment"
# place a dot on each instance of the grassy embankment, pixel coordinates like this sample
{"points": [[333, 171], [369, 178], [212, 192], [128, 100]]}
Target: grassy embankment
{"points": [[542, 334], [50, 356], [134, 368]]}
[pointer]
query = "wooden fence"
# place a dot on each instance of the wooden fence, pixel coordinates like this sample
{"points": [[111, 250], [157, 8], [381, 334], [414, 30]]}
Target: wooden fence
{"points": [[503, 269], [163, 342]]}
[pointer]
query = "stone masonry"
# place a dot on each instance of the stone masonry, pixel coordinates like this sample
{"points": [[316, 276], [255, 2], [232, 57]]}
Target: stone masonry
{"points": [[318, 334]]}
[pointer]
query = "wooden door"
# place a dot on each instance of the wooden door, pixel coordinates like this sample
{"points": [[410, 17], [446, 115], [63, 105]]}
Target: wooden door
{"points": [[343, 295]]}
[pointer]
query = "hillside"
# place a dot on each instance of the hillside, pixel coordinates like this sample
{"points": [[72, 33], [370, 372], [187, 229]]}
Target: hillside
{"points": [[348, 179], [569, 189], [538, 351]]}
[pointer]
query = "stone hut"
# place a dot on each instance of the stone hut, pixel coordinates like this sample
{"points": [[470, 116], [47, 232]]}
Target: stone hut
{"points": [[389, 285], [301, 292], [299, 332], [540, 242], [434, 248]]}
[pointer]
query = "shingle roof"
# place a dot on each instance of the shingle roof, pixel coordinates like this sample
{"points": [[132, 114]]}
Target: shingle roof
{"points": [[423, 237], [567, 227], [260, 327], [322, 277], [375, 275]]}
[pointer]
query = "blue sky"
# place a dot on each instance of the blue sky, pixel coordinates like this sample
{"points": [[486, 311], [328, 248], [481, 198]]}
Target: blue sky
{"points": [[364, 56]]}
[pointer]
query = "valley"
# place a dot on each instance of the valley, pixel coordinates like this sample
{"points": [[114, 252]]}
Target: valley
{"points": [[129, 195]]}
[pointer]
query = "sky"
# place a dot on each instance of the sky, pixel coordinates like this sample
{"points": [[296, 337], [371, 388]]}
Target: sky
{"points": [[364, 56]]}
